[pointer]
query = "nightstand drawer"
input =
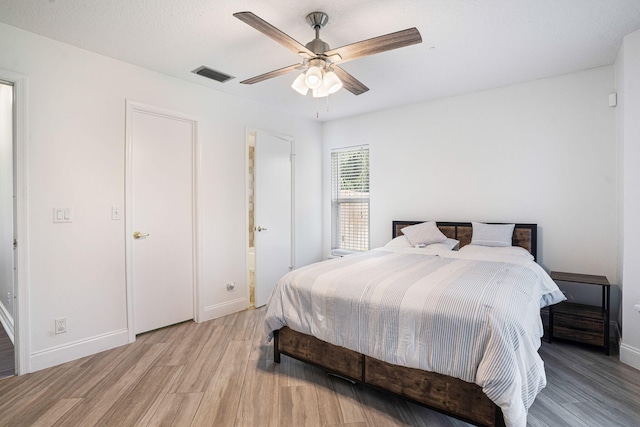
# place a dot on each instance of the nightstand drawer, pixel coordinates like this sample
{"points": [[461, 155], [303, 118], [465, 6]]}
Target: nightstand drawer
{"points": [[578, 328]]}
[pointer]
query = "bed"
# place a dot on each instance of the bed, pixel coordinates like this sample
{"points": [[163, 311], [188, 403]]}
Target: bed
{"points": [[398, 319]]}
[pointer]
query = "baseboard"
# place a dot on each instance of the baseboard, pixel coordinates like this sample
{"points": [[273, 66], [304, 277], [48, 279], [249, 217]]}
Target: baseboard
{"points": [[222, 309], [7, 323], [72, 351], [630, 355]]}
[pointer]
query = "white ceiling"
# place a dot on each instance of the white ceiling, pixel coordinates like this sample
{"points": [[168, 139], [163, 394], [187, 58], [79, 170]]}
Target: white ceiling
{"points": [[468, 45]]}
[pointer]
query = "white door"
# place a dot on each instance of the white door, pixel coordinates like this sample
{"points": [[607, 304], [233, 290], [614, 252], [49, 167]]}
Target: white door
{"points": [[161, 225], [273, 225], [7, 211]]}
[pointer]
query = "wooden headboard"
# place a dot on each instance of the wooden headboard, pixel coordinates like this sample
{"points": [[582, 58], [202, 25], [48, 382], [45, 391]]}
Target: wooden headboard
{"points": [[524, 235]]}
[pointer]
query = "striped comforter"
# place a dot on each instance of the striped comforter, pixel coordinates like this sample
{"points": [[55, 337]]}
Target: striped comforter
{"points": [[477, 319]]}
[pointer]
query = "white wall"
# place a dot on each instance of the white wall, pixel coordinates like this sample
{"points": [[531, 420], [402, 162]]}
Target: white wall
{"points": [[76, 158], [628, 70], [541, 152], [6, 207]]}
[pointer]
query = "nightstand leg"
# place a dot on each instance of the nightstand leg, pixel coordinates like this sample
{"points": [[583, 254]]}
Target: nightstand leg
{"points": [[550, 334], [607, 304]]}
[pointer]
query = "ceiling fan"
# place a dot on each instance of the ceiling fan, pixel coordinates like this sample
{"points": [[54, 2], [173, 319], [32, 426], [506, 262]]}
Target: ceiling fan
{"points": [[320, 72]]}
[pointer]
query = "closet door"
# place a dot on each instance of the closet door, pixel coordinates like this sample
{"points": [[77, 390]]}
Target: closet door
{"points": [[162, 218]]}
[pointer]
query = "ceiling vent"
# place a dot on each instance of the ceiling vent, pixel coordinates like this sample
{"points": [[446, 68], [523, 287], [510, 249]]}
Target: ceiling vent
{"points": [[212, 74]]}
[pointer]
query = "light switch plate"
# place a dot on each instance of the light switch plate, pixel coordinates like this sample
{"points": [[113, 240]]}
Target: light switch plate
{"points": [[62, 215]]}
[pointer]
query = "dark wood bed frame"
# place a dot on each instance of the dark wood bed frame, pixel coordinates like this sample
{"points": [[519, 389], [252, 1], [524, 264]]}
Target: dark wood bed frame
{"points": [[443, 393]]}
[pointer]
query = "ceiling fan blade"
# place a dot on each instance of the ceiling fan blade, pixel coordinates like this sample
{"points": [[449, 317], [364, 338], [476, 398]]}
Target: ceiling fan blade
{"points": [[271, 74], [349, 82], [270, 31], [377, 45]]}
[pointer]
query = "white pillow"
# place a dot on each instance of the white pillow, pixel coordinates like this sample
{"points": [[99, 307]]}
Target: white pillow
{"points": [[425, 232], [399, 242], [492, 234], [511, 251]]}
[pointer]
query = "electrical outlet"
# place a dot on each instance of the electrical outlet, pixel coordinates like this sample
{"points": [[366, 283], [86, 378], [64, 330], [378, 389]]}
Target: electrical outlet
{"points": [[61, 325], [231, 286]]}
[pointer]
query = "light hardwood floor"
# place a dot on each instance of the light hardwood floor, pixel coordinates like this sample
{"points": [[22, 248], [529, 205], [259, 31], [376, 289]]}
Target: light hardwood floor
{"points": [[220, 373]]}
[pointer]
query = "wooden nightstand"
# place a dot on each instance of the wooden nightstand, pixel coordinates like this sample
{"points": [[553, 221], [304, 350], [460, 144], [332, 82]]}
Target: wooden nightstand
{"points": [[579, 322]]}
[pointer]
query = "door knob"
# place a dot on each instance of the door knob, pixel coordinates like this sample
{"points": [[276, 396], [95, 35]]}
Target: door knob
{"points": [[261, 228], [138, 235]]}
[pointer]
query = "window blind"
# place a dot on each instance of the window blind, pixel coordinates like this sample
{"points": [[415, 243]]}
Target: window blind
{"points": [[350, 200]]}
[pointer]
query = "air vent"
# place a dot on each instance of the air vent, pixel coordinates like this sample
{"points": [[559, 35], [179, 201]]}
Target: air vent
{"points": [[212, 74]]}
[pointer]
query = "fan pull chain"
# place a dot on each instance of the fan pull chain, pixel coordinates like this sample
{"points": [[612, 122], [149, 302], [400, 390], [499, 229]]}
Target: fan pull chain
{"points": [[318, 106]]}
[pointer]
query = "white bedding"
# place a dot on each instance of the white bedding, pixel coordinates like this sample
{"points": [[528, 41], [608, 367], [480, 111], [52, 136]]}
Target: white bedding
{"points": [[471, 316]]}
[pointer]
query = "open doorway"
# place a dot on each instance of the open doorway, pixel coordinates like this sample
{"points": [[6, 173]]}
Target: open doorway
{"points": [[270, 204], [7, 229], [251, 185]]}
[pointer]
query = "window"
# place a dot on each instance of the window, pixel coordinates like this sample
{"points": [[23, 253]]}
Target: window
{"points": [[350, 200]]}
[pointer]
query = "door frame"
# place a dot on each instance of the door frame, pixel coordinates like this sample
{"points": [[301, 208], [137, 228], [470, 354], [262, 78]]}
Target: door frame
{"points": [[21, 346], [290, 139], [133, 107]]}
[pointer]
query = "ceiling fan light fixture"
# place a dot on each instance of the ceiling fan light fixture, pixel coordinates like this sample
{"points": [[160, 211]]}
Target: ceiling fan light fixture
{"points": [[313, 78], [299, 86], [331, 82], [320, 92]]}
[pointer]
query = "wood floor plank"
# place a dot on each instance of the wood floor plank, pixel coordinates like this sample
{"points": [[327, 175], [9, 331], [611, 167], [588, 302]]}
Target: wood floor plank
{"points": [[381, 409], [546, 412], [228, 320], [175, 410], [328, 403], [24, 403], [100, 399], [298, 406], [167, 334], [55, 412], [186, 346], [260, 385], [131, 407], [220, 402], [294, 373], [350, 406], [156, 404], [244, 325], [109, 364], [611, 416], [198, 373]]}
